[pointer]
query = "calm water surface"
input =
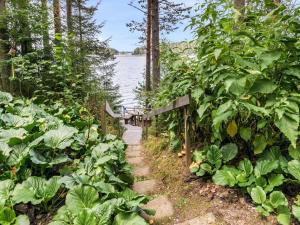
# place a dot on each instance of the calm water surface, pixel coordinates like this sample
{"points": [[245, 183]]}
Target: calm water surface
{"points": [[129, 72]]}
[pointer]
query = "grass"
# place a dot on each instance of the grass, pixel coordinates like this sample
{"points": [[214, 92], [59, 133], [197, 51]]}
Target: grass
{"points": [[195, 197]]}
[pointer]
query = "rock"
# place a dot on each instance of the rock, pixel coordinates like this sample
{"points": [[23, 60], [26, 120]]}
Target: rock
{"points": [[145, 187], [136, 161], [162, 206], [208, 219], [133, 153], [141, 171]]}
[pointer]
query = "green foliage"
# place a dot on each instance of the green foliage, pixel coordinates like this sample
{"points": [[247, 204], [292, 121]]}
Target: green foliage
{"points": [[258, 195], [35, 190], [59, 156], [243, 77]]}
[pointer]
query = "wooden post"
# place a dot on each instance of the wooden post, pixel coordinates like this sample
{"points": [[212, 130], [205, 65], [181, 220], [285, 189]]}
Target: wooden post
{"points": [[103, 117], [156, 126], [187, 136], [146, 130]]}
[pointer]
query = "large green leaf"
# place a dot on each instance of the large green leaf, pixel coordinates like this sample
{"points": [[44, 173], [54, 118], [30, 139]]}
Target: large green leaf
{"points": [[265, 167], [7, 216], [5, 98], [283, 215], [18, 155], [214, 155], [36, 190], [40, 159], [268, 58], [16, 121], [6, 187], [229, 152], [287, 120], [274, 180], [245, 133], [129, 219], [60, 138], [86, 217], [224, 112], [258, 195], [225, 177], [259, 143], [294, 169], [22, 220], [277, 199], [5, 149], [296, 211], [246, 166], [293, 71], [12, 135], [81, 198], [263, 86], [294, 152]]}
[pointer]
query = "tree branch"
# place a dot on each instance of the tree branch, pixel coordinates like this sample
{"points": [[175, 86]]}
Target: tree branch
{"points": [[130, 4]]}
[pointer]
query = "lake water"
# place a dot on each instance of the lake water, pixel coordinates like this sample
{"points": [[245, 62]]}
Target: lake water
{"points": [[129, 72]]}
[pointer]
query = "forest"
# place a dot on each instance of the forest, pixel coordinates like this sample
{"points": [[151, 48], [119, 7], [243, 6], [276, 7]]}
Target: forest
{"points": [[241, 71]]}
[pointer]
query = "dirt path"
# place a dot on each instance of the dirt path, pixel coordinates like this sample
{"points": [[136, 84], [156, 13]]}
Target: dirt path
{"points": [[145, 184]]}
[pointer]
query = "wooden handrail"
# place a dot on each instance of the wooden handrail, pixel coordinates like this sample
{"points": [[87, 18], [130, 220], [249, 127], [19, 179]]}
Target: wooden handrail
{"points": [[106, 109], [109, 111], [176, 104], [182, 102]]}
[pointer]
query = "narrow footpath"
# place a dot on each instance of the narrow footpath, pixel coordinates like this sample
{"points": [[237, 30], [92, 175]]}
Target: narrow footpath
{"points": [[141, 171], [145, 185]]}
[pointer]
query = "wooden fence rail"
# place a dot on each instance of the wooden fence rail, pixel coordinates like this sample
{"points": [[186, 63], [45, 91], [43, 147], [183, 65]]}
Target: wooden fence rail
{"points": [[106, 110], [179, 103]]}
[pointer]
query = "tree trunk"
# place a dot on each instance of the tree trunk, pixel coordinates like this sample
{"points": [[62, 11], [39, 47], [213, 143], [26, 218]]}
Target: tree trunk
{"points": [[57, 18], [26, 42], [80, 23], [155, 44], [46, 37], [4, 48], [148, 49], [69, 16]]}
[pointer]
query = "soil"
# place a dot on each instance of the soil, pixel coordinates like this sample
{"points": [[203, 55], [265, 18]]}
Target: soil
{"points": [[193, 197]]}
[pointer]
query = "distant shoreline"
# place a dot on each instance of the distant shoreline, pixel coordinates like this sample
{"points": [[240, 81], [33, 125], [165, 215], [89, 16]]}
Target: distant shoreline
{"points": [[130, 55]]}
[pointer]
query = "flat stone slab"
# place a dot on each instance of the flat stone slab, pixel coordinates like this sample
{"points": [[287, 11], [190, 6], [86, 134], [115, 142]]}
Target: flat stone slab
{"points": [[133, 153], [208, 219], [162, 206], [136, 161], [145, 187], [142, 171], [132, 135]]}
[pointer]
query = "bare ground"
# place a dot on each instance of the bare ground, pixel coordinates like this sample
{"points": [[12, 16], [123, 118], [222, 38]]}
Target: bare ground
{"points": [[193, 197]]}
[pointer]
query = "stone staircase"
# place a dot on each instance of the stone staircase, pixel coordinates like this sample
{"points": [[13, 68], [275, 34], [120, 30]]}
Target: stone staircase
{"points": [[161, 204], [145, 185]]}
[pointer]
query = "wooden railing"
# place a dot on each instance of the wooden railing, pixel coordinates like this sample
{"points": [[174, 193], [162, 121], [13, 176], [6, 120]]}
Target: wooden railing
{"points": [[106, 110], [179, 103]]}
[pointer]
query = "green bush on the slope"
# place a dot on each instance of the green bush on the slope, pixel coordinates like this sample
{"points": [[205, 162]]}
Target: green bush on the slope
{"points": [[244, 80], [55, 159]]}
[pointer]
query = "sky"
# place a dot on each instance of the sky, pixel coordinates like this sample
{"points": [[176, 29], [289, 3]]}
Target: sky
{"points": [[116, 13]]}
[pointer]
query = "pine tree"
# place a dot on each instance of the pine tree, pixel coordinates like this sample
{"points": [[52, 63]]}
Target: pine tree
{"points": [[165, 15], [148, 47], [4, 47], [46, 38], [155, 44]]}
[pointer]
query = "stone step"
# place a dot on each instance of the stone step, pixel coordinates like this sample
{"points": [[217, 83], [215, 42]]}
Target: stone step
{"points": [[141, 171], [145, 187], [133, 153], [162, 206], [136, 161], [208, 219]]}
